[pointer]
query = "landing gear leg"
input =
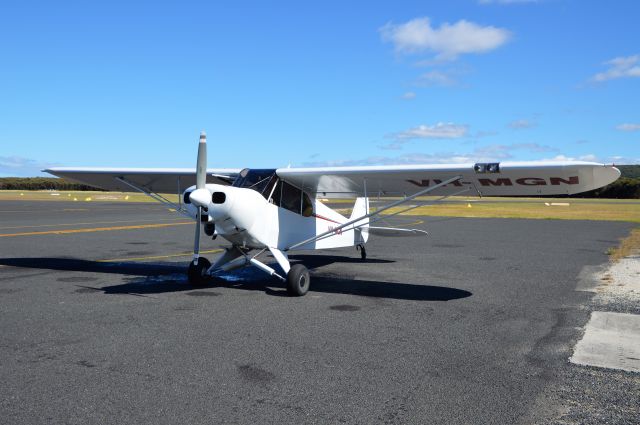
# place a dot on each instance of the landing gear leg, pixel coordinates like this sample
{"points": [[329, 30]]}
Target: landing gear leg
{"points": [[363, 252]]}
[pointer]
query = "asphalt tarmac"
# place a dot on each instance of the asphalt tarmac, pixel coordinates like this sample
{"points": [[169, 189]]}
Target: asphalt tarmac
{"points": [[473, 324]]}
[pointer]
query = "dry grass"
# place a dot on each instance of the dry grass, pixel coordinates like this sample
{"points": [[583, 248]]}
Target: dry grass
{"points": [[76, 196], [628, 246], [535, 209], [532, 208]]}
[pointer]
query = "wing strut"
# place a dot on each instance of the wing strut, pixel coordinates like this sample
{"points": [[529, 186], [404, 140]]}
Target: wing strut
{"points": [[373, 214], [156, 196]]}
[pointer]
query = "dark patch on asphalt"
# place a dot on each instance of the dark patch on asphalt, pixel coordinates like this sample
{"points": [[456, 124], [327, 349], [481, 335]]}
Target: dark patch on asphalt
{"points": [[9, 290], [587, 250], [203, 294], [344, 307], [184, 308], [137, 243], [77, 279], [447, 245], [85, 363], [487, 258], [86, 290], [255, 374], [139, 252], [608, 241], [43, 358]]}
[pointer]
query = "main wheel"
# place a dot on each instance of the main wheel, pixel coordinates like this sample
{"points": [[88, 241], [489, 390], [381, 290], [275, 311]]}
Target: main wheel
{"points": [[298, 280], [197, 272]]}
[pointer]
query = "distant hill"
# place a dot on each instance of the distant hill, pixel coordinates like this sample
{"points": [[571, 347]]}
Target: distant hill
{"points": [[630, 171]]}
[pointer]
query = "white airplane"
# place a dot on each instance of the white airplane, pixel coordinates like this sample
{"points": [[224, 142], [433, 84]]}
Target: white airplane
{"points": [[278, 210]]}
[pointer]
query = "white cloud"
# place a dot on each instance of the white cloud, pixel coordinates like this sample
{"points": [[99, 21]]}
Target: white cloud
{"points": [[439, 131], [409, 95], [628, 127], [620, 67], [435, 78], [16, 166], [448, 41], [623, 160], [481, 154], [588, 157], [521, 124], [484, 133]]}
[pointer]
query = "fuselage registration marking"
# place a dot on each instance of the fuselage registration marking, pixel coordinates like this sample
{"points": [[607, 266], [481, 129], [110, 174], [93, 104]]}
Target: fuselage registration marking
{"points": [[504, 181]]}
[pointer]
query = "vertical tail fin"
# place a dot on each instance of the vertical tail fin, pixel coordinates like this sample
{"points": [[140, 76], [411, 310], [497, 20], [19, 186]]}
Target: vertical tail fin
{"points": [[361, 208]]}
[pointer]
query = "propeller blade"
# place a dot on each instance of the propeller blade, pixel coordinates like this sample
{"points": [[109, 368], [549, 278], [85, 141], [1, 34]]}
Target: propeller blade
{"points": [[201, 181], [201, 165], [196, 242]]}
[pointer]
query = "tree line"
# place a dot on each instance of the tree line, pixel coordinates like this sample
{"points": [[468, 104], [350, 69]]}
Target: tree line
{"points": [[41, 183]]}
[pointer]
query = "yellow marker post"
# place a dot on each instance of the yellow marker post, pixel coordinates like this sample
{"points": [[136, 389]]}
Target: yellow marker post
{"points": [[87, 199], [469, 205]]}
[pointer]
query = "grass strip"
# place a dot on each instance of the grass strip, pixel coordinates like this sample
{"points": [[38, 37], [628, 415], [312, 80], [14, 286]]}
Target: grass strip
{"points": [[628, 246]]}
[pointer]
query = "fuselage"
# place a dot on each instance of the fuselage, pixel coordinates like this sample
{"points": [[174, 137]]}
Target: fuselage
{"points": [[273, 214]]}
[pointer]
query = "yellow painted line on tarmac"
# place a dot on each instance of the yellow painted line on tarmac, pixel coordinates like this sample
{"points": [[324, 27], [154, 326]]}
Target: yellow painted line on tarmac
{"points": [[157, 257], [87, 223], [95, 229]]}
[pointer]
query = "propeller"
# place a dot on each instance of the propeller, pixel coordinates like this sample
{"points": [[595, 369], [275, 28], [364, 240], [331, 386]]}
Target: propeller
{"points": [[201, 196]]}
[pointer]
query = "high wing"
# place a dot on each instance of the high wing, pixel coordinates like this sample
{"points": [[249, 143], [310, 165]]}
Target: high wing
{"points": [[155, 180], [487, 179]]}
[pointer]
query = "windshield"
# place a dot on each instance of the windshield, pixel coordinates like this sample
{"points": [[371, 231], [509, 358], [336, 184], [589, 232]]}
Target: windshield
{"points": [[261, 180]]}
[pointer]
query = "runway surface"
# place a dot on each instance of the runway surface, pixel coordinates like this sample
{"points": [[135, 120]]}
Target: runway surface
{"points": [[473, 324]]}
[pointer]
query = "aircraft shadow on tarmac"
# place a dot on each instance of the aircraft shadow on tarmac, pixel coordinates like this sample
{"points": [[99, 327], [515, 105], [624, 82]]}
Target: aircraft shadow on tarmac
{"points": [[154, 278]]}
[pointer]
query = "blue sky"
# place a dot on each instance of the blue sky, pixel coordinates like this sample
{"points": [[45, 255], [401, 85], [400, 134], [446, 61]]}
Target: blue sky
{"points": [[131, 84]]}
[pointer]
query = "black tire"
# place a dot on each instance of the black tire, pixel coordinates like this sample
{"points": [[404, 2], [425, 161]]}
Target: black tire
{"points": [[363, 253], [298, 280], [196, 272]]}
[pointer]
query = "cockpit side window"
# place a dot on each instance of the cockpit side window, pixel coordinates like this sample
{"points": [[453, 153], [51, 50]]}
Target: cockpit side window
{"points": [[261, 181]]}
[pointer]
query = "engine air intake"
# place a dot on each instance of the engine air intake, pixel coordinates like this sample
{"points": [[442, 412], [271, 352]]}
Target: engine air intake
{"points": [[218, 197]]}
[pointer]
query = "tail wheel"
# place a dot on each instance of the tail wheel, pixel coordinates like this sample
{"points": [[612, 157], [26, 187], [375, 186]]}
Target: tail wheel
{"points": [[363, 252], [197, 273], [298, 280]]}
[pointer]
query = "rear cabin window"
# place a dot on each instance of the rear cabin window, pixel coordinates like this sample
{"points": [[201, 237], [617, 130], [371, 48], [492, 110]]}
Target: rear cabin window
{"points": [[293, 199]]}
